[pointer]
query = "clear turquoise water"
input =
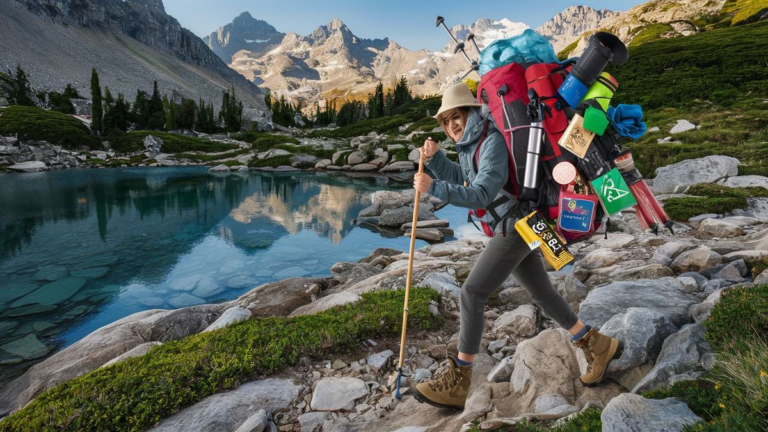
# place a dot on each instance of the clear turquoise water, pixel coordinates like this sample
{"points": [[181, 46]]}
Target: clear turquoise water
{"points": [[115, 242]]}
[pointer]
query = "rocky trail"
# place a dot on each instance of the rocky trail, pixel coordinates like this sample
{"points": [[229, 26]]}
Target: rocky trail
{"points": [[651, 291]]}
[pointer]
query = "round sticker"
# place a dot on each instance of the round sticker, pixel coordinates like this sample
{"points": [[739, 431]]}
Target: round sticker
{"points": [[564, 173]]}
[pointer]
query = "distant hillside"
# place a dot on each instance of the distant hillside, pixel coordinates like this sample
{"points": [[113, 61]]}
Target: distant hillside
{"points": [[130, 42], [665, 19]]}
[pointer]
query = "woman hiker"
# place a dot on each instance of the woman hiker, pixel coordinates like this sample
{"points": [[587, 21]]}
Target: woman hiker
{"points": [[465, 185]]}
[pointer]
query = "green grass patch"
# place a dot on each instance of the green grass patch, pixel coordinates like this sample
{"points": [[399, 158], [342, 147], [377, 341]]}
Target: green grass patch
{"points": [[418, 139], [585, 421], [305, 149], [744, 11], [566, 52], [379, 125], [264, 141], [202, 157], [172, 143], [399, 155], [739, 316], [723, 65], [700, 395], [650, 33], [32, 123], [426, 124], [733, 396], [271, 162], [138, 392], [710, 198]]}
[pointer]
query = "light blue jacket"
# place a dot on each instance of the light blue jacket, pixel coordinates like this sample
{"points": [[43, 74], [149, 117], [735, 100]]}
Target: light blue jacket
{"points": [[485, 185]]}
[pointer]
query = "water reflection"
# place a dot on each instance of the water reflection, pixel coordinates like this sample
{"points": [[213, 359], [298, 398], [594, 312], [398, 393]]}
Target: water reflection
{"points": [[114, 242]]}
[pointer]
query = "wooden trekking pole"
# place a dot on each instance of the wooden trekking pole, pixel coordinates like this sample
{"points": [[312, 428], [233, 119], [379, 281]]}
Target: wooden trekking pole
{"points": [[417, 195]]}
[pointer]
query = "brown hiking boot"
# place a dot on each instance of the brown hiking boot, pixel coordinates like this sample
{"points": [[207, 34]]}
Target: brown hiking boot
{"points": [[599, 351], [448, 388]]}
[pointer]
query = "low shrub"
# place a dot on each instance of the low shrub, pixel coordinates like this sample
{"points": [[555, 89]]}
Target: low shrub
{"points": [[136, 393], [32, 123], [742, 376], [379, 125]]}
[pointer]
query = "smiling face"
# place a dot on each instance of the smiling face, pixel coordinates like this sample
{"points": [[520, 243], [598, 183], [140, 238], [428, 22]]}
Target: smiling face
{"points": [[454, 122]]}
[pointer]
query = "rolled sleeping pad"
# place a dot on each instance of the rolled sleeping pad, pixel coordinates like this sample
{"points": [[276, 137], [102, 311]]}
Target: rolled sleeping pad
{"points": [[602, 90], [541, 78]]}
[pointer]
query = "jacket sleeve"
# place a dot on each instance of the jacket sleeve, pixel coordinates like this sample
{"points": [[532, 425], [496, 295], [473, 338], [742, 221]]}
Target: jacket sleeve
{"points": [[445, 169], [491, 177]]}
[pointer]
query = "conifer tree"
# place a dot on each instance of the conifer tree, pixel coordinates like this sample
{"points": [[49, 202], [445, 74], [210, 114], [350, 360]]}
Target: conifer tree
{"points": [[97, 113]]}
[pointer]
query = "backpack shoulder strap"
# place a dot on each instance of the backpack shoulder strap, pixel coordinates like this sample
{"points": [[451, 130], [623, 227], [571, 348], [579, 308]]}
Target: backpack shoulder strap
{"points": [[480, 143]]}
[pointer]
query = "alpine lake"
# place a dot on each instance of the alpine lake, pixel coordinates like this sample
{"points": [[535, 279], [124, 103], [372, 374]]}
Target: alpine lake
{"points": [[80, 249]]}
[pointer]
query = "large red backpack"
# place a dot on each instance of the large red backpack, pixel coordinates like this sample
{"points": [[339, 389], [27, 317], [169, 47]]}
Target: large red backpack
{"points": [[505, 91]]}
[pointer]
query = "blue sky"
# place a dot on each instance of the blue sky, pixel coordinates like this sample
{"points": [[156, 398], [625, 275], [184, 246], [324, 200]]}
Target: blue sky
{"points": [[410, 23]]}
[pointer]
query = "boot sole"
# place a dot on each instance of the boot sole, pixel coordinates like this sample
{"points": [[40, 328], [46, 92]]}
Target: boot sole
{"points": [[423, 399], [618, 350]]}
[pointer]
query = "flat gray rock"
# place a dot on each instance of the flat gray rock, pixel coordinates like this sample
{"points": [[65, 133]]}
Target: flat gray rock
{"points": [[91, 273], [634, 413], [241, 282], [682, 126], [290, 272], [380, 360], [442, 282], [26, 167], [643, 332], [684, 351], [334, 394], [745, 181], [313, 421], [677, 177], [664, 295], [28, 347], [187, 283], [13, 290], [32, 309], [256, 423], [520, 322], [207, 287], [185, 300], [52, 293], [230, 316], [227, 411], [51, 273]]}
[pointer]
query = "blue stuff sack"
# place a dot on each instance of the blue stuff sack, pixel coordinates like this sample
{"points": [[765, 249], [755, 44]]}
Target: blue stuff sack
{"points": [[526, 49]]}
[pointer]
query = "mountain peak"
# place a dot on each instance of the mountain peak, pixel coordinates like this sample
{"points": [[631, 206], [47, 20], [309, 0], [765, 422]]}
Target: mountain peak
{"points": [[569, 24], [335, 24]]}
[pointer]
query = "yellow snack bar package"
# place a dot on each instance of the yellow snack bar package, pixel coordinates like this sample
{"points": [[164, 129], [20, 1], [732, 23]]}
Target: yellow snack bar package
{"points": [[536, 232]]}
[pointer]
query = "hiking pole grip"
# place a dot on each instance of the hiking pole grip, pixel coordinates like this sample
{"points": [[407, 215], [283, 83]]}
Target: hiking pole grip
{"points": [[417, 196]]}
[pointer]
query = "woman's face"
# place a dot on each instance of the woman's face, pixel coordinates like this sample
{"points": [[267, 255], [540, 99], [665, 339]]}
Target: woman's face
{"points": [[454, 122]]}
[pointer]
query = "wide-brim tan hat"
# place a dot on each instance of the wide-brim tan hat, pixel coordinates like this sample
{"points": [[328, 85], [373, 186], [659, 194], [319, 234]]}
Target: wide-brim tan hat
{"points": [[456, 96]]}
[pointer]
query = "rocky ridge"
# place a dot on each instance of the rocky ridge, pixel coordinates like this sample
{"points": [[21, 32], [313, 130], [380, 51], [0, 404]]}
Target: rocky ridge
{"points": [[333, 59], [526, 368], [571, 23], [131, 43]]}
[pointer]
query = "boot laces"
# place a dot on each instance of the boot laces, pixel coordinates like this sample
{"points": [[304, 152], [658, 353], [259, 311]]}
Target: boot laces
{"points": [[446, 377]]}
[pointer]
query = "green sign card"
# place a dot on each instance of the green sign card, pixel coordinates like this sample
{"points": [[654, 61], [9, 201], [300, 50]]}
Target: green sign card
{"points": [[613, 192]]}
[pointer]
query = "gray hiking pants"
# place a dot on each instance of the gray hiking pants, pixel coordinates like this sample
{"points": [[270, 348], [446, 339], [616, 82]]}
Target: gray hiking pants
{"points": [[502, 256]]}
